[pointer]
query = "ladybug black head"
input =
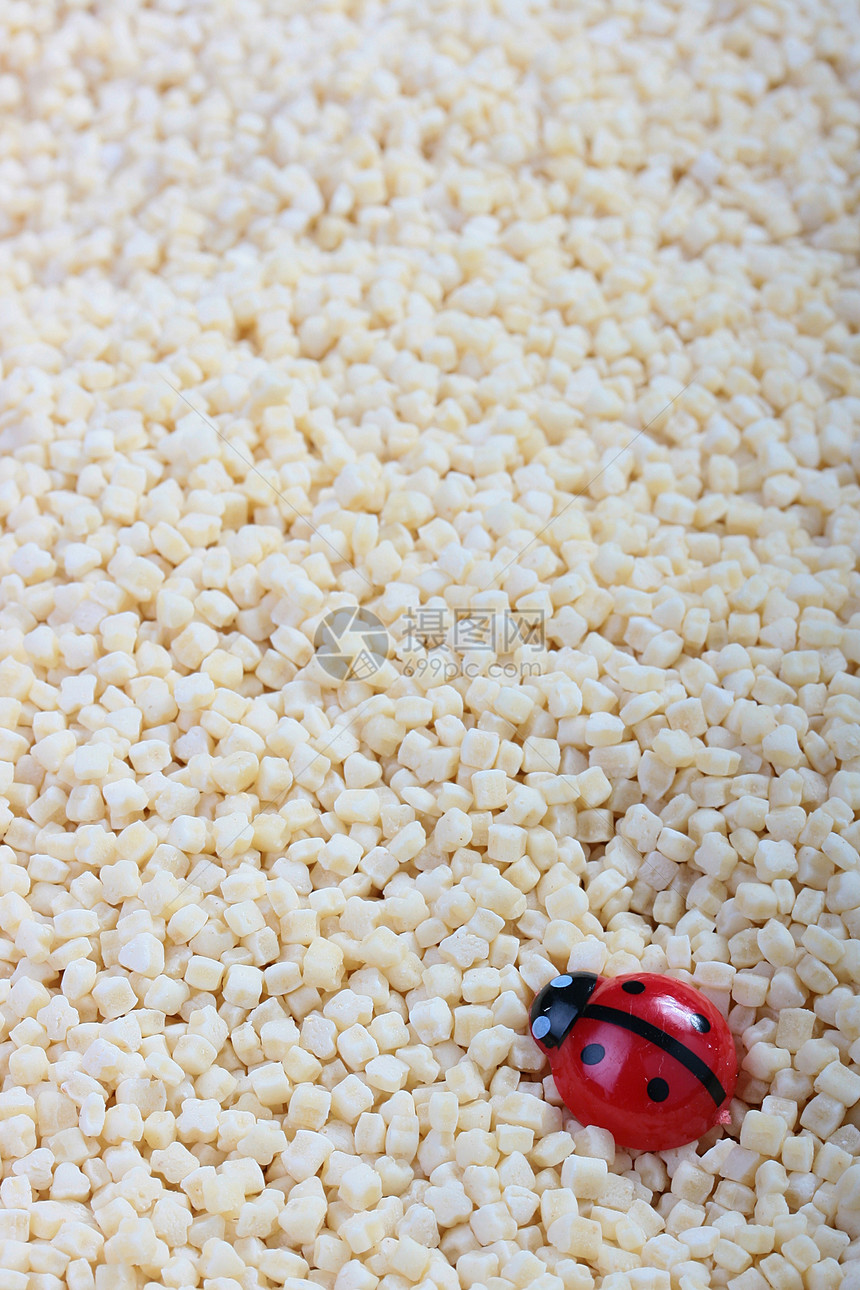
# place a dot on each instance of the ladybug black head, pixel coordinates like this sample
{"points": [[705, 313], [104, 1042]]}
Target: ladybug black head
{"points": [[557, 1006]]}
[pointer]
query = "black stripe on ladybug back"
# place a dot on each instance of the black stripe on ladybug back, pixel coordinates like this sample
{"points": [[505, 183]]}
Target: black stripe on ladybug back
{"points": [[669, 1045]]}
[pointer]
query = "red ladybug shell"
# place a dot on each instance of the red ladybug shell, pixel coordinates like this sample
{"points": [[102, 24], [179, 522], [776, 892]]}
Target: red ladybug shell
{"points": [[644, 1056]]}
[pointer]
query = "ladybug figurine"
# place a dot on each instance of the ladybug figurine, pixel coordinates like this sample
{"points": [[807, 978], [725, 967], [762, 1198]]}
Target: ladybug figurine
{"points": [[644, 1056]]}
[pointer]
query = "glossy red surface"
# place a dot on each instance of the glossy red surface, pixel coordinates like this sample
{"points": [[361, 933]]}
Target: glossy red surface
{"points": [[647, 1057]]}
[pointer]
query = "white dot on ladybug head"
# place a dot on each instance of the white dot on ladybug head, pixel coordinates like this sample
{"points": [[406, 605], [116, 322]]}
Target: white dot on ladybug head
{"points": [[541, 1028], [560, 982]]}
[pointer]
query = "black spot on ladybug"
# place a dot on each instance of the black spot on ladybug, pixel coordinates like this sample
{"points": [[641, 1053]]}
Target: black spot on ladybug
{"points": [[592, 1054], [658, 1090], [700, 1023], [633, 987], [541, 1027]]}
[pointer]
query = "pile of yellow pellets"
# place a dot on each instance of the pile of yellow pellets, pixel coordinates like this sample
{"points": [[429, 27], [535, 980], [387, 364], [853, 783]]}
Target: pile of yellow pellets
{"points": [[429, 536]]}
